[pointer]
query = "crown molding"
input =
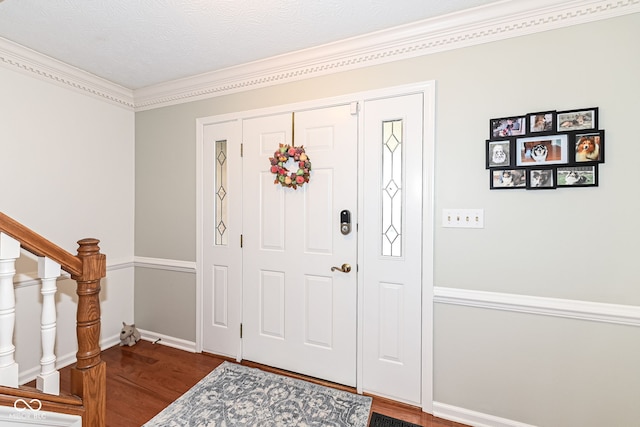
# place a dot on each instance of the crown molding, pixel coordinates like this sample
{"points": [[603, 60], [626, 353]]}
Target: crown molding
{"points": [[496, 21], [22, 59]]}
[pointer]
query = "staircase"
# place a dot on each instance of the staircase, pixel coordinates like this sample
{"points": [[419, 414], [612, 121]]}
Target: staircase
{"points": [[87, 397]]}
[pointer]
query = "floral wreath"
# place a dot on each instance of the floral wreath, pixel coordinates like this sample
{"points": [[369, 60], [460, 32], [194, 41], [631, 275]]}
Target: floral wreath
{"points": [[278, 166]]}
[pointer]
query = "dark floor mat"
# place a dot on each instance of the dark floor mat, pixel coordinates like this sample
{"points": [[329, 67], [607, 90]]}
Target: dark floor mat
{"points": [[379, 420]]}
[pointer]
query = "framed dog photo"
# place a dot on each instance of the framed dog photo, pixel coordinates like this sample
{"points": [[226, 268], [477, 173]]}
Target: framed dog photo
{"points": [[508, 179], [583, 119], [499, 153], [542, 122], [589, 147], [577, 176], [508, 126], [541, 179], [542, 150]]}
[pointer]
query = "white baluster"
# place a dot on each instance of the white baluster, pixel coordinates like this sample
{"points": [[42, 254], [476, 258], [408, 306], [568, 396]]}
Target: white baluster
{"points": [[49, 379], [9, 252]]}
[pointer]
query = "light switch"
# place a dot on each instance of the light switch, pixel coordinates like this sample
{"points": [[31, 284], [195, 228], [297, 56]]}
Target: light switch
{"points": [[463, 218]]}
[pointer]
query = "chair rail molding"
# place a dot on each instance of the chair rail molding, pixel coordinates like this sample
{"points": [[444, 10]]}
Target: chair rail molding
{"points": [[557, 307], [492, 22], [165, 264], [30, 278]]}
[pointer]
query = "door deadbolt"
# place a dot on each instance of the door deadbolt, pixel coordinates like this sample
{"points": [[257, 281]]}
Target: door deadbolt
{"points": [[345, 222]]}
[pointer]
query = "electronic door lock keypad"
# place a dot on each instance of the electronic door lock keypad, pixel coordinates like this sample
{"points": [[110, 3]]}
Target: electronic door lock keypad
{"points": [[345, 222]]}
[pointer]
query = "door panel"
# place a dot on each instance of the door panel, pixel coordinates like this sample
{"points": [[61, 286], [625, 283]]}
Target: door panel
{"points": [[299, 315], [392, 248], [318, 320], [391, 300], [271, 307], [221, 252], [319, 229]]}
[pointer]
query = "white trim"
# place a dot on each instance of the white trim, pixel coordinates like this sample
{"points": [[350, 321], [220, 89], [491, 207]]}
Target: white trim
{"points": [[472, 418], [119, 264], [199, 227], [108, 342], [496, 21], [23, 280], [557, 307], [66, 359], [20, 58], [360, 254], [368, 95], [428, 224], [165, 264], [167, 340]]}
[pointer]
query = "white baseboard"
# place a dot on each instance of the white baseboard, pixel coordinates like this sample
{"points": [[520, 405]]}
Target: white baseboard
{"points": [[64, 360], [472, 418], [162, 339], [108, 342]]}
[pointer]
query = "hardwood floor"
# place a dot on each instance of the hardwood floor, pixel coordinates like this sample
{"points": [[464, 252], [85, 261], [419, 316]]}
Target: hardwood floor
{"points": [[144, 379]]}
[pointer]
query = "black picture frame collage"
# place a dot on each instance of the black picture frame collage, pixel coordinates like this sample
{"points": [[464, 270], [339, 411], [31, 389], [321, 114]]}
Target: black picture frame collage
{"points": [[545, 150]]}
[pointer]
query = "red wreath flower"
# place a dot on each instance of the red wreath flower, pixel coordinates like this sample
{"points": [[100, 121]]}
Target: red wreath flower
{"points": [[301, 163]]}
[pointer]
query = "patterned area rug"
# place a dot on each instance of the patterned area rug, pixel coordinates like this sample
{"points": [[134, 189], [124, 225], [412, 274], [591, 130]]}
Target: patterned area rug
{"points": [[235, 395]]}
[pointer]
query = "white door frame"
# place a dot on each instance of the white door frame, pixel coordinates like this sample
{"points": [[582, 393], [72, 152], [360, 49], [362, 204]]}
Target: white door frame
{"points": [[428, 91]]}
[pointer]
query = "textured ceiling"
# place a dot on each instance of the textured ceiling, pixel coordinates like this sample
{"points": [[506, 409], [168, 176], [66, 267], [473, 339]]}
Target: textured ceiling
{"points": [[139, 43]]}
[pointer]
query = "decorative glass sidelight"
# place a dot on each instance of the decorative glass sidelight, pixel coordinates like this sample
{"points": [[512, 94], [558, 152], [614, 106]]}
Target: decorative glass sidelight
{"points": [[221, 207], [392, 173]]}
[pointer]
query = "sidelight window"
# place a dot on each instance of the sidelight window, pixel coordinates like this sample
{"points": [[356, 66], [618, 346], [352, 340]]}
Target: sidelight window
{"points": [[392, 184], [221, 208]]}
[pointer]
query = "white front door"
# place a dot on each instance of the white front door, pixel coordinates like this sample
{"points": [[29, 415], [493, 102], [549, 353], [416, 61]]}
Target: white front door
{"points": [[298, 314], [392, 247]]}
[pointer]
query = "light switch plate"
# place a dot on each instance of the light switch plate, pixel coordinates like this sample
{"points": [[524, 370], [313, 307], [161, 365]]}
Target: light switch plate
{"points": [[463, 218]]}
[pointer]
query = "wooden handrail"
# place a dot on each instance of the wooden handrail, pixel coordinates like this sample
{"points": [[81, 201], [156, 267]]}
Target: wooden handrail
{"points": [[39, 246], [88, 376], [27, 392]]}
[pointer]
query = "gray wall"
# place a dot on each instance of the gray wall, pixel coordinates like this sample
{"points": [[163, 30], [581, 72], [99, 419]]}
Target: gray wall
{"points": [[568, 243], [156, 292]]}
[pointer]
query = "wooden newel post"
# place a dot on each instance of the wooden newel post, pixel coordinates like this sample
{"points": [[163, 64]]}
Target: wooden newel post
{"points": [[89, 372], [94, 268]]}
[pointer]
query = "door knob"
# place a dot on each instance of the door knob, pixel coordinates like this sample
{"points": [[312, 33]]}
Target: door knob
{"points": [[345, 268]]}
